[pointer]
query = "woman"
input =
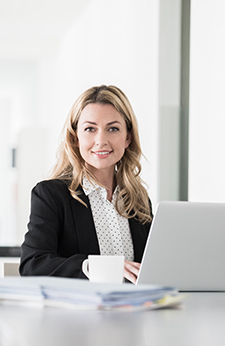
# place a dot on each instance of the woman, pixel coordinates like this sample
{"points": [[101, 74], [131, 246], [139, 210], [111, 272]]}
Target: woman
{"points": [[94, 201]]}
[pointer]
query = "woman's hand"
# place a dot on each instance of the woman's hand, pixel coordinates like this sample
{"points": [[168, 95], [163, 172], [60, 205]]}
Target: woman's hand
{"points": [[131, 270]]}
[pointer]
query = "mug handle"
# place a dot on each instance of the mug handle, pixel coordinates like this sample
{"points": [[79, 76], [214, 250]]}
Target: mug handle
{"points": [[85, 268]]}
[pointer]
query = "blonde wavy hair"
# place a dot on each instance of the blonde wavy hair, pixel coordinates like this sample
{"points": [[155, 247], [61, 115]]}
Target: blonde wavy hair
{"points": [[70, 165]]}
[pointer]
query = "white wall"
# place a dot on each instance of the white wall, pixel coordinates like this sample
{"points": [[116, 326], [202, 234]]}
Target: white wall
{"points": [[18, 110], [32, 163], [207, 107], [5, 154]]}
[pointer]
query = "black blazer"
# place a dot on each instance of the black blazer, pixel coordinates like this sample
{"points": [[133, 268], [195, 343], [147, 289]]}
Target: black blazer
{"points": [[61, 233]]}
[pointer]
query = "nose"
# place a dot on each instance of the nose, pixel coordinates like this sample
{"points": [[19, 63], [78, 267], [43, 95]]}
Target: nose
{"points": [[101, 139]]}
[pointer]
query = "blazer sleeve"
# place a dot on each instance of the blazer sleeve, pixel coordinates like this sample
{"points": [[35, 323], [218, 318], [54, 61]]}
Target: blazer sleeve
{"points": [[51, 246]]}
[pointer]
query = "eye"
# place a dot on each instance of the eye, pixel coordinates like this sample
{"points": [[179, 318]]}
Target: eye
{"points": [[113, 129], [89, 129]]}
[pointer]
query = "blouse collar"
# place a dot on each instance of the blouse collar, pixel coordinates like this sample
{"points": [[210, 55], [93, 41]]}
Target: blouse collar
{"points": [[89, 188]]}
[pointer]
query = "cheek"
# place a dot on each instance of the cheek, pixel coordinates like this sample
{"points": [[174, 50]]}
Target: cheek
{"points": [[80, 139], [83, 143], [122, 143], [82, 151]]}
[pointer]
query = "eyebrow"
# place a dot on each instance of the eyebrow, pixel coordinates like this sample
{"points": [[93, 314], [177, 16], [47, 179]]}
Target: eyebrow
{"points": [[93, 123]]}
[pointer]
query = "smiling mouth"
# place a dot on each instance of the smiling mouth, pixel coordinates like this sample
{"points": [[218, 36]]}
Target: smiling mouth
{"points": [[102, 153]]}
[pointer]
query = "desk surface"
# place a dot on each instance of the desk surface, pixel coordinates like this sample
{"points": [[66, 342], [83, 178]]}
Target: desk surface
{"points": [[201, 321]]}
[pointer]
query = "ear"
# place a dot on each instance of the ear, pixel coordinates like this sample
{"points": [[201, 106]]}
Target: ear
{"points": [[128, 140]]}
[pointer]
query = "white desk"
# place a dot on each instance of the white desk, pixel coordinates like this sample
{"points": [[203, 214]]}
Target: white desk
{"points": [[200, 322]]}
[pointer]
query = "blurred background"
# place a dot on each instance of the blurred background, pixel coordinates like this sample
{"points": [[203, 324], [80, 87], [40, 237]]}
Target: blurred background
{"points": [[166, 55]]}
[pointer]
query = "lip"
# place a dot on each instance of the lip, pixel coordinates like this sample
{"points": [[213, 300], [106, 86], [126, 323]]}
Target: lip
{"points": [[102, 153]]}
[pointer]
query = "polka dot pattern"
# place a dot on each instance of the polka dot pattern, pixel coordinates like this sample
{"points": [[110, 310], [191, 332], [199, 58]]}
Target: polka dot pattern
{"points": [[112, 229]]}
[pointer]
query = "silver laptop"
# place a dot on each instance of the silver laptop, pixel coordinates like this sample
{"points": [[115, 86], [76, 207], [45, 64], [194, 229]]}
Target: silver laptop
{"points": [[186, 247]]}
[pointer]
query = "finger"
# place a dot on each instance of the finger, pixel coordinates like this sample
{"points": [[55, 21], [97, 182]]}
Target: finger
{"points": [[130, 267], [131, 270], [133, 264], [130, 276]]}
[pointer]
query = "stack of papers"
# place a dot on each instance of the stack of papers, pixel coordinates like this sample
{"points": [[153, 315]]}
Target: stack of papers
{"points": [[82, 294]]}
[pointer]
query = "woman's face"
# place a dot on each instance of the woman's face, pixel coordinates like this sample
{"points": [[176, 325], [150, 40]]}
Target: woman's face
{"points": [[102, 137]]}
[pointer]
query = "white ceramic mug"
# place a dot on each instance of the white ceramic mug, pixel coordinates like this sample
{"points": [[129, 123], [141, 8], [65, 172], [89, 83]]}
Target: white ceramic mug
{"points": [[108, 269]]}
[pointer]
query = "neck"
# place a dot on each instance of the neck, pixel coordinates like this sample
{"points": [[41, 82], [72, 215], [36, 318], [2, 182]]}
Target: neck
{"points": [[108, 180], [109, 183]]}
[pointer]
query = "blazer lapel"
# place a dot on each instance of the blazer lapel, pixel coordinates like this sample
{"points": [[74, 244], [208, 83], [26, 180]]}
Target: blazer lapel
{"points": [[85, 228]]}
